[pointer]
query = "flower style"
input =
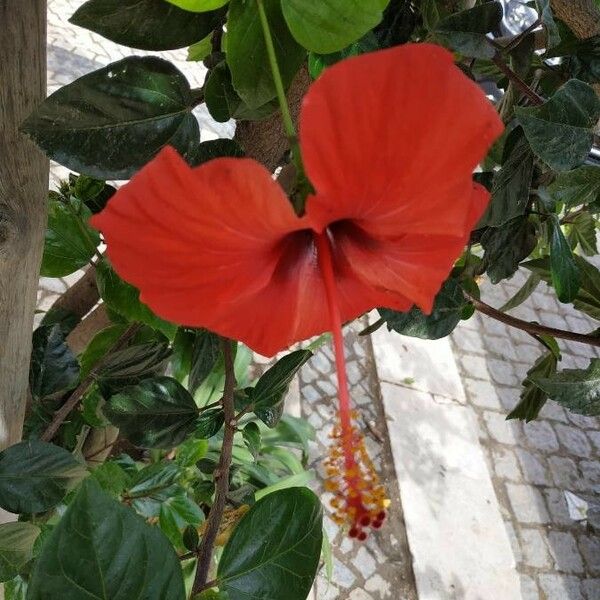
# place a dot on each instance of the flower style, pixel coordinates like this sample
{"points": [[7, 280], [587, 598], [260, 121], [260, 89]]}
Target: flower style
{"points": [[389, 142]]}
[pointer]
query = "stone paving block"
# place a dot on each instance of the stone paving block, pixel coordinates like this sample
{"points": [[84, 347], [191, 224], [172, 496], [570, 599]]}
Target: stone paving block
{"points": [[482, 393], [501, 430], [471, 341], [475, 366], [379, 586], [505, 464], [563, 548], [557, 505], [583, 421], [533, 468], [503, 372], [364, 562], [574, 440], [535, 552], [529, 588], [591, 589], [540, 435], [509, 396], [565, 473], [553, 410], [560, 587], [594, 436], [359, 594], [527, 503], [590, 549], [590, 471]]}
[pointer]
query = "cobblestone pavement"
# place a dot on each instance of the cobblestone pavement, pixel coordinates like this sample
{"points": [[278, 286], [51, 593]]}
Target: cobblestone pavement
{"points": [[533, 464]]}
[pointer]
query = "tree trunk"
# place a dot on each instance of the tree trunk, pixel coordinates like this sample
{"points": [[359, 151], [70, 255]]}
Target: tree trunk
{"points": [[23, 191]]}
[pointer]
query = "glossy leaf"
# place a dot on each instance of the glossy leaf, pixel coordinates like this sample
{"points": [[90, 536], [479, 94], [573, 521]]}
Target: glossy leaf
{"points": [[533, 397], [212, 149], [465, 31], [94, 193], [176, 514], [205, 353], [16, 548], [577, 187], [100, 344], [528, 288], [109, 123], [511, 183], [102, 549], [53, 369], [36, 476], [198, 5], [280, 562], [560, 131], [576, 389], [247, 53], [582, 233], [565, 273], [209, 423], [505, 247], [145, 24], [252, 438], [445, 316], [200, 50], [326, 26], [123, 298], [69, 242], [156, 413]]}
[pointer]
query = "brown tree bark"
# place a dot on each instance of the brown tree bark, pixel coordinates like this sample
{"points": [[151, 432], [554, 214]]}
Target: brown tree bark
{"points": [[23, 191], [581, 16]]}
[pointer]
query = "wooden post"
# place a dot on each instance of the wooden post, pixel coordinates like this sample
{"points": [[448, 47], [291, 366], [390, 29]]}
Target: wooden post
{"points": [[23, 192]]}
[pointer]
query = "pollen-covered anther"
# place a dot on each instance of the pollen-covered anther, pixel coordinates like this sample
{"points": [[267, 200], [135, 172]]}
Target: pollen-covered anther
{"points": [[359, 499]]}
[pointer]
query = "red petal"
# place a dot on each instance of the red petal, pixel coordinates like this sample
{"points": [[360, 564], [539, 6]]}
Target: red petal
{"points": [[392, 138]]}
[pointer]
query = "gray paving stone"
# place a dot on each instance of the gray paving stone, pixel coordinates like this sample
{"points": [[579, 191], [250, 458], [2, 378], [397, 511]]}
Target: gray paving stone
{"points": [[563, 548], [591, 589], [505, 464], [573, 439], [529, 588], [527, 503], [554, 411], [559, 587], [565, 473], [503, 372], [540, 435], [365, 563], [509, 396], [482, 393], [590, 549], [590, 471], [533, 468], [557, 505], [535, 552], [475, 366], [503, 431]]}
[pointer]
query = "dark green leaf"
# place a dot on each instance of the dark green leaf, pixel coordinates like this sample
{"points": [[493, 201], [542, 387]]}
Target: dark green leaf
{"points": [[547, 17], [112, 478], [565, 274], [94, 193], [36, 476], [123, 298], [176, 514], [133, 364], [247, 54], [445, 316], [69, 243], [152, 486], [101, 343], [326, 26], [274, 550], [532, 397], [190, 538], [198, 5], [577, 187], [588, 296], [511, 184], [209, 423], [560, 131], [399, 21], [213, 149], [111, 122], [582, 233], [465, 31], [101, 549], [576, 389], [91, 408], [53, 369], [251, 434], [205, 353], [145, 24], [506, 246], [528, 288], [16, 548], [156, 413], [62, 317], [191, 451], [273, 385], [270, 415]]}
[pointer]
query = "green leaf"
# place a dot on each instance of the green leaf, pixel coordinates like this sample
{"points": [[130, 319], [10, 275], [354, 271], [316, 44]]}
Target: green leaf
{"points": [[560, 131], [547, 17], [511, 184], [565, 274], [252, 438], [176, 514], [274, 550], [532, 397], [465, 31], [112, 478], [101, 549], [100, 344], [91, 407], [94, 193], [205, 353], [53, 368], [588, 296], [576, 389], [506, 246], [200, 50], [445, 316], [582, 233], [268, 395], [16, 548], [111, 122], [528, 288], [36, 476], [326, 26], [247, 53], [131, 365], [190, 538], [198, 5], [191, 451], [156, 413], [70, 242], [145, 24], [577, 187], [123, 298], [213, 149], [209, 423]]}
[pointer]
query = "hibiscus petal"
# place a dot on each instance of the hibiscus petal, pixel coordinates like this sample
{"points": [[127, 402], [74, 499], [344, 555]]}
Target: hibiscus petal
{"points": [[392, 138]]}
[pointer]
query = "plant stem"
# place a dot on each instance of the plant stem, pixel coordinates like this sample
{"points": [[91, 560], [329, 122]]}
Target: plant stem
{"points": [[73, 400], [535, 98], [221, 475], [532, 328]]}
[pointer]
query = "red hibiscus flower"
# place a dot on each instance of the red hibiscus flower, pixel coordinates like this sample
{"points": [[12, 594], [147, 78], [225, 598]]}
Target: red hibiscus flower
{"points": [[389, 142]]}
